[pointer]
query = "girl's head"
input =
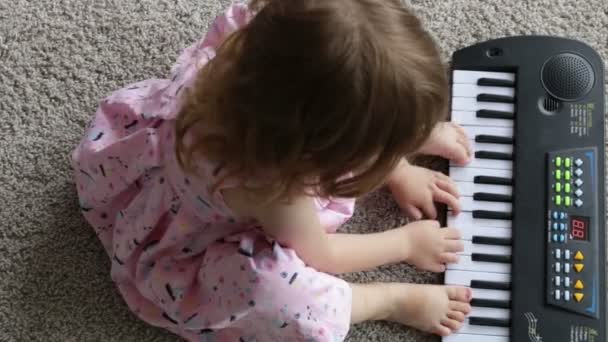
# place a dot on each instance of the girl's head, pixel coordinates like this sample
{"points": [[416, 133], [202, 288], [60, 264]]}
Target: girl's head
{"points": [[313, 90]]}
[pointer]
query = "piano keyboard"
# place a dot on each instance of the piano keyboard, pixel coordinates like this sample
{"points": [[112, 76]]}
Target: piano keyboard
{"points": [[537, 274], [483, 103]]}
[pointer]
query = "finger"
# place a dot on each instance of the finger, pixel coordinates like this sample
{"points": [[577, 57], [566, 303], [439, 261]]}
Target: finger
{"points": [[451, 233], [449, 186], [429, 210], [448, 199], [462, 153], [466, 145], [441, 176], [454, 246], [459, 129], [448, 258], [412, 212]]}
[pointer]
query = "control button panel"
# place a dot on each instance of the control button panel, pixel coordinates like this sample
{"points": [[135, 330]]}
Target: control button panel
{"points": [[572, 231]]}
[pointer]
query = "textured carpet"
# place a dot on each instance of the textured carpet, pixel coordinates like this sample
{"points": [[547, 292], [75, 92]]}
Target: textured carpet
{"points": [[57, 57]]}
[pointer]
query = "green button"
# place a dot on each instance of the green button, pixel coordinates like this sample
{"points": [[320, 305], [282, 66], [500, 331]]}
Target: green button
{"points": [[558, 174], [567, 175], [567, 162], [558, 200], [558, 161], [567, 201], [567, 188], [558, 187]]}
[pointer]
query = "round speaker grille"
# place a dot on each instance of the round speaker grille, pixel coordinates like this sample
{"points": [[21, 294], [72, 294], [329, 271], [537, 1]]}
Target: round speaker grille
{"points": [[567, 76]]}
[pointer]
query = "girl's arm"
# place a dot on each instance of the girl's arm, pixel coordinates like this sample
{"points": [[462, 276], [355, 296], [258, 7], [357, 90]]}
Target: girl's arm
{"points": [[296, 225]]}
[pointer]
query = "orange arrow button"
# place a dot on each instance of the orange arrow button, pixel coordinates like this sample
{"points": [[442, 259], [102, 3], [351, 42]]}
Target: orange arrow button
{"points": [[579, 267]]}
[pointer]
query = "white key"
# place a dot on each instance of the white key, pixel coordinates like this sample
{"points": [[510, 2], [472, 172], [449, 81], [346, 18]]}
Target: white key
{"points": [[465, 219], [489, 164], [468, 118], [498, 313], [503, 148], [467, 174], [491, 294], [469, 188], [473, 131], [472, 90], [464, 278], [474, 338], [466, 264], [471, 104], [469, 231], [467, 76], [481, 330], [468, 204], [456, 277], [470, 248]]}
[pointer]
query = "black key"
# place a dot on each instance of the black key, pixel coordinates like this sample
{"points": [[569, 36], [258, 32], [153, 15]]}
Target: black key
{"points": [[492, 180], [483, 196], [489, 240], [490, 285], [491, 303], [490, 322], [492, 139], [502, 259], [495, 98], [495, 215], [493, 155], [492, 82], [494, 114]]}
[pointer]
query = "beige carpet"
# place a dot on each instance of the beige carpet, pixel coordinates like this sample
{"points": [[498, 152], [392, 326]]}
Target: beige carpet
{"points": [[57, 57]]}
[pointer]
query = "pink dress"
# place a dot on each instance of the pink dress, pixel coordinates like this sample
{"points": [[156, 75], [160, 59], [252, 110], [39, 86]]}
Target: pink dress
{"points": [[179, 257]]}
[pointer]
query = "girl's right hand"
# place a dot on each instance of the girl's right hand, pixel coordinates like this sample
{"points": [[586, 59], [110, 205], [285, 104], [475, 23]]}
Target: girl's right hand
{"points": [[429, 247]]}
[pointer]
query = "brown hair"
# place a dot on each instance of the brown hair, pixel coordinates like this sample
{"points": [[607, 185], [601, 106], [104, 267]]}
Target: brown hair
{"points": [[310, 91]]}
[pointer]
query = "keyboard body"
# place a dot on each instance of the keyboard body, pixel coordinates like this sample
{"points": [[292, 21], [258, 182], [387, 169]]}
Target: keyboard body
{"points": [[534, 195]]}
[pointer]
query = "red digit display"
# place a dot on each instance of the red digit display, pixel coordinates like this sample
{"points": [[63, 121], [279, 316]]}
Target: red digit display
{"points": [[578, 228]]}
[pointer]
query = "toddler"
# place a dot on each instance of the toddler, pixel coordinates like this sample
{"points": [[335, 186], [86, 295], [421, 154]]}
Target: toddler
{"points": [[217, 192]]}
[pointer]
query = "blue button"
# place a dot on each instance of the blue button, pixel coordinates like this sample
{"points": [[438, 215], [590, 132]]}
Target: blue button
{"points": [[562, 215], [554, 237], [562, 226], [555, 215], [555, 225], [562, 238]]}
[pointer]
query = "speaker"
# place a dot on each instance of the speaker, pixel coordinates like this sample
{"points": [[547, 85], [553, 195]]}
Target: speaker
{"points": [[567, 77]]}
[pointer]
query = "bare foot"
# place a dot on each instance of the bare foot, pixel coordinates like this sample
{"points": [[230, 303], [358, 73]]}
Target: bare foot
{"points": [[450, 141], [429, 247], [436, 309]]}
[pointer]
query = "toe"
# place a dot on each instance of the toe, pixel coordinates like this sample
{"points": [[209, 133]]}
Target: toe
{"points": [[451, 323], [465, 308], [456, 315], [442, 330], [437, 267], [461, 294]]}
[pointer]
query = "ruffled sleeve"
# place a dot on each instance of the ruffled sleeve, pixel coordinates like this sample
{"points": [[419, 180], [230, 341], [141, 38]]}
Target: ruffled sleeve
{"points": [[194, 57]]}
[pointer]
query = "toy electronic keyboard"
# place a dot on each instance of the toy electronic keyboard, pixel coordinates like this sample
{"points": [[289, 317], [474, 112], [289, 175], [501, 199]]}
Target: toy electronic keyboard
{"points": [[533, 198]]}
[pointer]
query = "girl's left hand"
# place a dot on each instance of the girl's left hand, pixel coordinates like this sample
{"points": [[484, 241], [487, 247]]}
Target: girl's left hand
{"points": [[416, 189]]}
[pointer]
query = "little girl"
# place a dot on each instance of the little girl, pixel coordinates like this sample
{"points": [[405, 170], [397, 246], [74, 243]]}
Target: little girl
{"points": [[217, 193]]}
